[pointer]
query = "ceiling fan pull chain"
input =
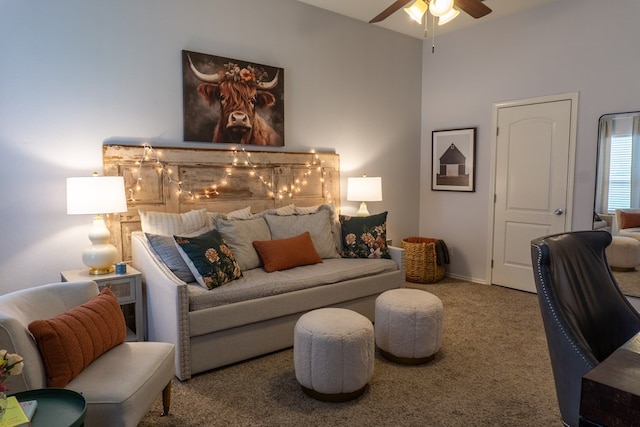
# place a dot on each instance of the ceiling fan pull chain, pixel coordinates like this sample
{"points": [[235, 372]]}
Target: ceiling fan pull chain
{"points": [[433, 34], [426, 19]]}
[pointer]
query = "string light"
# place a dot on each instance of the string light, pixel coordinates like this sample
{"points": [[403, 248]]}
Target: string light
{"points": [[149, 154]]}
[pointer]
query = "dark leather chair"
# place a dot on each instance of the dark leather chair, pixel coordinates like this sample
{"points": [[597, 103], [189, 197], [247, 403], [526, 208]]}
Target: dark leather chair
{"points": [[586, 317]]}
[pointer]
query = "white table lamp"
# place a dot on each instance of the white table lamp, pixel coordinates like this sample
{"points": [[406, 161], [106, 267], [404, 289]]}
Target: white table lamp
{"points": [[364, 189], [97, 195]]}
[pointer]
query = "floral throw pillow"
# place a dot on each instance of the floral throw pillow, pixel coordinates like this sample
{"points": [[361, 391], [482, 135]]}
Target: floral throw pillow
{"points": [[364, 237], [209, 259]]}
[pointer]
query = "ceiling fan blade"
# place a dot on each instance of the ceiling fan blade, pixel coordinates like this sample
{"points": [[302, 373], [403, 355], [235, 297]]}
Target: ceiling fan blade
{"points": [[475, 8], [390, 10]]}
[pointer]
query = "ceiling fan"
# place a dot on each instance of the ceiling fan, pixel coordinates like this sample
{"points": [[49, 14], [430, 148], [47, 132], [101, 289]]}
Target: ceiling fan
{"points": [[474, 8]]}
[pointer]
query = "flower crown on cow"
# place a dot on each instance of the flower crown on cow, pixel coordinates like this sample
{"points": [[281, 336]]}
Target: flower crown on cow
{"points": [[248, 75]]}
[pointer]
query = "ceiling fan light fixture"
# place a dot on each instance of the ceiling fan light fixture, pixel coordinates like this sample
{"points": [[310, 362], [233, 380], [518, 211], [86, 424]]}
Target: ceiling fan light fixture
{"points": [[448, 17], [440, 7], [417, 10]]}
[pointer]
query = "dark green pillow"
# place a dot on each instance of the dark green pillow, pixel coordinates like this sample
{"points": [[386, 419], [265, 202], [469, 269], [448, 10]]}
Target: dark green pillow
{"points": [[209, 259], [364, 237]]}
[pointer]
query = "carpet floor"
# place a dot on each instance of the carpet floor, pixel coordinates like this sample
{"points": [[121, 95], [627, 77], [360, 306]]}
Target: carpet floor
{"points": [[629, 282], [493, 370]]}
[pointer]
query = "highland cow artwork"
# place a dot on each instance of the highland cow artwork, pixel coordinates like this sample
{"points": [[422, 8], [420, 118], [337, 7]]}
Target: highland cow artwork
{"points": [[231, 101]]}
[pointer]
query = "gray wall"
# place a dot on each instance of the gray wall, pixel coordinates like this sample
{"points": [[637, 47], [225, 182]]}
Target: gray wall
{"points": [[562, 46], [75, 73]]}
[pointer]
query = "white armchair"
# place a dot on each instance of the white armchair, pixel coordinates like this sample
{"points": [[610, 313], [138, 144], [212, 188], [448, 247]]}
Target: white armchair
{"points": [[119, 386], [626, 222]]}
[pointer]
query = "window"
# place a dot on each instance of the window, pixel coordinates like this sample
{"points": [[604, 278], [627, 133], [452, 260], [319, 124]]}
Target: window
{"points": [[618, 172]]}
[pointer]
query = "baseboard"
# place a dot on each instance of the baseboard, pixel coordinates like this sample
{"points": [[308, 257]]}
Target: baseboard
{"points": [[465, 278]]}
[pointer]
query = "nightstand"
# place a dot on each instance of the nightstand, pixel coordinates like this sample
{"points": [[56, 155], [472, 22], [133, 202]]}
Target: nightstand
{"points": [[126, 287]]}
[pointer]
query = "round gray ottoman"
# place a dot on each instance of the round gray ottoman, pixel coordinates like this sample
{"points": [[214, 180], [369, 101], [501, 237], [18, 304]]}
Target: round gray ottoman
{"points": [[409, 325], [623, 253], [333, 353]]}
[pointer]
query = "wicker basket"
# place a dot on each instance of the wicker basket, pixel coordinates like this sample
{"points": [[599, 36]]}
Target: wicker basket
{"points": [[421, 265]]}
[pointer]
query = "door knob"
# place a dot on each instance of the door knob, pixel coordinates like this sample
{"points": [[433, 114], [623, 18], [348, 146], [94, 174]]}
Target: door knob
{"points": [[558, 211]]}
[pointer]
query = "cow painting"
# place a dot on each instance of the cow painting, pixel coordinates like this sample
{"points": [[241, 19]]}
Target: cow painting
{"points": [[231, 103]]}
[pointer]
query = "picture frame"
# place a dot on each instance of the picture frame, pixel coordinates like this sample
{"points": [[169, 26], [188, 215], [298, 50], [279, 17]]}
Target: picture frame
{"points": [[253, 112], [453, 160]]}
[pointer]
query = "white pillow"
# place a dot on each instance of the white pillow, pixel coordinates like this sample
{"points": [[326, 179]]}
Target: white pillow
{"points": [[244, 213], [318, 224], [169, 224]]}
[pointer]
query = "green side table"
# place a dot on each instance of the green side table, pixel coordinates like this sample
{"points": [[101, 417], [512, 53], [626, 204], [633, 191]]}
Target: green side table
{"points": [[56, 407]]}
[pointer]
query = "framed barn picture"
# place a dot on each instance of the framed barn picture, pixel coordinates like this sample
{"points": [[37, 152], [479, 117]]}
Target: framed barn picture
{"points": [[454, 160], [232, 101]]}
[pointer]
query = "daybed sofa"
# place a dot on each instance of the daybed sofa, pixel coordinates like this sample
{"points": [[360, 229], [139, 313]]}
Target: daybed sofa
{"points": [[255, 314]]}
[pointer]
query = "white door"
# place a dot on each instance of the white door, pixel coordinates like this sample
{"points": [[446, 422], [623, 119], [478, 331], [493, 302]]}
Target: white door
{"points": [[533, 184]]}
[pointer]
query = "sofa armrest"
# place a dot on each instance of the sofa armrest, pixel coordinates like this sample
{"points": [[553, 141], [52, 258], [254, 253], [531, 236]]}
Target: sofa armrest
{"points": [[167, 303], [615, 223], [398, 255]]}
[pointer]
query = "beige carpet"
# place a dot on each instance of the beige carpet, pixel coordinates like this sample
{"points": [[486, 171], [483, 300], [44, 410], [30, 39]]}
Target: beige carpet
{"points": [[493, 370], [629, 282]]}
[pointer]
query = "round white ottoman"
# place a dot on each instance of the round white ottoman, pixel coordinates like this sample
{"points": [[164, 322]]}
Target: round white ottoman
{"points": [[333, 353], [409, 325], [623, 253]]}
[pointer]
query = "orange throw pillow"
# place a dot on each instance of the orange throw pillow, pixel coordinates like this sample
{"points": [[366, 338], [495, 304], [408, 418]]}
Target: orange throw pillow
{"points": [[69, 342], [282, 254], [629, 219]]}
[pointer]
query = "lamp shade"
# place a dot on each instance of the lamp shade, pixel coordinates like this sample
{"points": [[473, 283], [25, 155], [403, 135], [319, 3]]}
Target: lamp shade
{"points": [[96, 195], [417, 10], [364, 189], [448, 17], [440, 7]]}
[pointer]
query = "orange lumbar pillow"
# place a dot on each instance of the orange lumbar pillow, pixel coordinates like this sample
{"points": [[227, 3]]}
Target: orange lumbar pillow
{"points": [[282, 254], [629, 219], [69, 342]]}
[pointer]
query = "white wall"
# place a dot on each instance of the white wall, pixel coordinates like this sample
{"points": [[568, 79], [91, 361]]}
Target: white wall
{"points": [[75, 73], [562, 46]]}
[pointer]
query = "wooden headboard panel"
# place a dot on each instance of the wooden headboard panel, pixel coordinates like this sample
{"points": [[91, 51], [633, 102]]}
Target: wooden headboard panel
{"points": [[173, 179]]}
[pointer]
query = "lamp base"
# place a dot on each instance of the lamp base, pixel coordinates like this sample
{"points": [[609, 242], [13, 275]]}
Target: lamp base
{"points": [[101, 256], [101, 270], [363, 211]]}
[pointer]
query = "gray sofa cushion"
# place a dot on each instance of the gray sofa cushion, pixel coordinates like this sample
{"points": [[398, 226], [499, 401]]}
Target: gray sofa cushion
{"points": [[319, 224], [257, 283], [240, 234]]}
